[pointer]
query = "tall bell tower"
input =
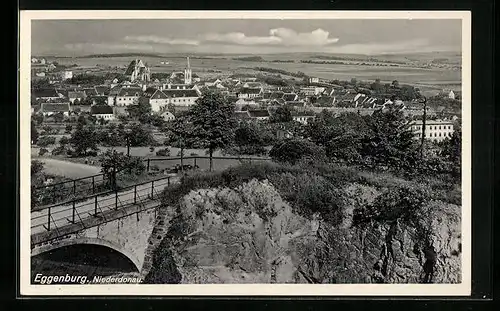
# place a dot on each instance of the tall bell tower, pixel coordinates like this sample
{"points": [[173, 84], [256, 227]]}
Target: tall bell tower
{"points": [[187, 73]]}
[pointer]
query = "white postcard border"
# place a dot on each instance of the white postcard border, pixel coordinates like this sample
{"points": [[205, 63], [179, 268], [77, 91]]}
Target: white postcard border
{"points": [[26, 288]]}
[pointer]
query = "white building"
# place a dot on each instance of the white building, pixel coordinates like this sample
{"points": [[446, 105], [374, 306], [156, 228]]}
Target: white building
{"points": [[65, 75], [250, 93], [102, 112], [48, 109], [188, 75], [183, 98], [451, 95], [435, 130], [157, 99], [124, 96], [167, 116], [304, 119], [137, 70]]}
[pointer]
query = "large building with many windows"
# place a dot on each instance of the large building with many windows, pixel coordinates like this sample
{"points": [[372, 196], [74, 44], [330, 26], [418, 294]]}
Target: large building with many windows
{"points": [[435, 130]]}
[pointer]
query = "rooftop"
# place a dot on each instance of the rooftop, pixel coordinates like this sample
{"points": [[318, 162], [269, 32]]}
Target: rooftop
{"points": [[101, 109], [55, 107]]}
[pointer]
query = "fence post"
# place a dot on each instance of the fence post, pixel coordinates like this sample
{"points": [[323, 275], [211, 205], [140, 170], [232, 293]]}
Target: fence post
{"points": [[135, 194], [194, 162], [73, 216], [48, 220], [152, 188], [168, 180], [74, 187], [147, 170], [95, 205], [116, 199], [93, 184]]}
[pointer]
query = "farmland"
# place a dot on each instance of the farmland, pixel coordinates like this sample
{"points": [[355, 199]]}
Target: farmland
{"points": [[409, 69]]}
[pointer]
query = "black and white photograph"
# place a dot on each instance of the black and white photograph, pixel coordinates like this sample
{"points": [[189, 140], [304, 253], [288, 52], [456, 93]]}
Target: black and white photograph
{"points": [[224, 153]]}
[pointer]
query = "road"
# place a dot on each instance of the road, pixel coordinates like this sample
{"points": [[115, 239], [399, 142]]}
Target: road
{"points": [[68, 169], [62, 213]]}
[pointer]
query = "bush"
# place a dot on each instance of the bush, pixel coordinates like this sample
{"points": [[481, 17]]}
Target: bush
{"points": [[45, 141], [165, 152], [42, 151], [61, 150], [293, 151], [151, 149]]}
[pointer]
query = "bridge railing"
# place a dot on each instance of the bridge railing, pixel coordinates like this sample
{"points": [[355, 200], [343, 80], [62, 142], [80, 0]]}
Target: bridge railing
{"points": [[75, 211], [95, 184]]}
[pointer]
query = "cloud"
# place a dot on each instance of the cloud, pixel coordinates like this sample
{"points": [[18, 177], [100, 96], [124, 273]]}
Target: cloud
{"points": [[161, 40], [277, 36]]}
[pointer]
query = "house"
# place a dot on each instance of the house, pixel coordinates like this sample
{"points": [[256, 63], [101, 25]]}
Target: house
{"points": [[252, 85], [124, 96], [102, 90], [156, 98], [91, 91], [259, 115], [74, 95], [451, 95], [45, 94], [48, 109], [102, 112], [65, 75], [167, 116], [313, 80], [312, 90], [435, 130], [250, 93], [183, 98], [137, 70], [290, 97], [303, 118]]}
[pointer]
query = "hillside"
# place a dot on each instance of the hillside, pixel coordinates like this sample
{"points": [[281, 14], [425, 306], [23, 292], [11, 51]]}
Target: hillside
{"points": [[269, 223]]}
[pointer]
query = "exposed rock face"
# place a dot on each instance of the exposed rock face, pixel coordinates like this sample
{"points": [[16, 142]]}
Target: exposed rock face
{"points": [[250, 235]]}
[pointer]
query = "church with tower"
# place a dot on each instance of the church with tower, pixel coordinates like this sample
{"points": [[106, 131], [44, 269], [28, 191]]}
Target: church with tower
{"points": [[138, 71], [188, 79]]}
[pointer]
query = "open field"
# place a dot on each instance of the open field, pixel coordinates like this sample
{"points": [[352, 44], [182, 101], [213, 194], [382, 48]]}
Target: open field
{"points": [[426, 78]]}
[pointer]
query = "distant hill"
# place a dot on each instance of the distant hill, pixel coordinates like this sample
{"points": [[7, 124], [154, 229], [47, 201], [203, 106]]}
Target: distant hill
{"points": [[121, 55]]}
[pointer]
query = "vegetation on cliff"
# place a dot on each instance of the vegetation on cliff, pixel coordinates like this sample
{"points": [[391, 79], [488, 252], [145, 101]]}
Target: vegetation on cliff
{"points": [[272, 223]]}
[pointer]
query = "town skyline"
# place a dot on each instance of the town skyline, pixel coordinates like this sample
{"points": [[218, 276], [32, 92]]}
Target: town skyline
{"points": [[245, 36]]}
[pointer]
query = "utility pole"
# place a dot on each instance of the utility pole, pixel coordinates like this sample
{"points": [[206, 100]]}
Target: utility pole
{"points": [[424, 116]]}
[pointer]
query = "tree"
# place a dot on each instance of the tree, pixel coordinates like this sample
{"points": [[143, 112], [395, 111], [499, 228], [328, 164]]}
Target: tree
{"points": [[45, 141], [377, 87], [68, 129], [83, 140], [58, 117], [38, 118], [111, 163], [141, 111], [138, 135], [293, 151], [179, 135], [212, 123], [34, 133], [389, 141], [395, 84], [281, 115], [249, 139], [451, 151]]}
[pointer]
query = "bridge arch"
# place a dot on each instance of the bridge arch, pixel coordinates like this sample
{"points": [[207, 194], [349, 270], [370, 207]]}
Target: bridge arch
{"points": [[87, 240]]}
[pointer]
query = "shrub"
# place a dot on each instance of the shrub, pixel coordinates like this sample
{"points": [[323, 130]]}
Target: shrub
{"points": [[292, 151], [59, 150], [165, 152], [42, 151], [45, 141], [151, 149]]}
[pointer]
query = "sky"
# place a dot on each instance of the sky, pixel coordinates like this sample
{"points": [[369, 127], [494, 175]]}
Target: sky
{"points": [[244, 36]]}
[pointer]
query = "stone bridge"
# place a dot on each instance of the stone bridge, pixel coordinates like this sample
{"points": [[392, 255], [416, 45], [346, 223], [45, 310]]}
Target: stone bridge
{"points": [[125, 225]]}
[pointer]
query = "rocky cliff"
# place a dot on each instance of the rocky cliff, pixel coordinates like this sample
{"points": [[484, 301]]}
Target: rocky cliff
{"points": [[250, 233]]}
